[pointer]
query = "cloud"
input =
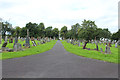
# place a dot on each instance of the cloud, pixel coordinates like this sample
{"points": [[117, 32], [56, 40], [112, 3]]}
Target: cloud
{"points": [[58, 13]]}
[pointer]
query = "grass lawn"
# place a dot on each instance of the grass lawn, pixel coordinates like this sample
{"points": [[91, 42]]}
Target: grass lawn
{"points": [[92, 53], [28, 51]]}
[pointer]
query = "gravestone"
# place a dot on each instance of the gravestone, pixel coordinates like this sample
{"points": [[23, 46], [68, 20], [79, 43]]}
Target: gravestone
{"points": [[101, 50], [16, 40], [34, 43], [27, 40], [0, 39], [116, 45], [17, 47], [96, 42], [108, 50], [38, 43], [100, 42], [23, 39], [79, 44], [6, 38]]}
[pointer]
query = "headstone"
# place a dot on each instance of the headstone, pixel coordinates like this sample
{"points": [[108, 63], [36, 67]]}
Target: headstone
{"points": [[23, 39], [6, 38], [38, 43], [100, 42], [0, 39], [16, 40], [116, 44], [101, 49], [79, 44], [17, 47], [88, 48], [34, 44], [27, 39], [108, 50]]}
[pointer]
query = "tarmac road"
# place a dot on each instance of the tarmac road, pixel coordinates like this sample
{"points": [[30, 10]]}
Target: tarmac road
{"points": [[57, 63]]}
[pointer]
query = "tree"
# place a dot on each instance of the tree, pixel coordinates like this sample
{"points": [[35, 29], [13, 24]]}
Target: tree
{"points": [[87, 30], [106, 33], [41, 30], [69, 34], [18, 30], [75, 30], [48, 32], [5, 28], [23, 32], [33, 31], [63, 32], [55, 32], [116, 36]]}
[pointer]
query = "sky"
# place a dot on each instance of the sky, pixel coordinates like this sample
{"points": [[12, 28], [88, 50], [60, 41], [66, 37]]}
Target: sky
{"points": [[59, 13]]}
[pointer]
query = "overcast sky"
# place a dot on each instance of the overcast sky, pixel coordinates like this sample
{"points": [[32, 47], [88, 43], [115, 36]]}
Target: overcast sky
{"points": [[57, 13]]}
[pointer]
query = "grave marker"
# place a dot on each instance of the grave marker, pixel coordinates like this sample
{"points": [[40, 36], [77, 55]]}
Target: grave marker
{"points": [[27, 39]]}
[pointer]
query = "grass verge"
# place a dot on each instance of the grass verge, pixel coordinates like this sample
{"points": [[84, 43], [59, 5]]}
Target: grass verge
{"points": [[92, 53], [29, 51]]}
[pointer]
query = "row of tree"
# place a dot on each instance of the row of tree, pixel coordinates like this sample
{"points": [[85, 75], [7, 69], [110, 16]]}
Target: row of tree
{"points": [[35, 30], [88, 30]]}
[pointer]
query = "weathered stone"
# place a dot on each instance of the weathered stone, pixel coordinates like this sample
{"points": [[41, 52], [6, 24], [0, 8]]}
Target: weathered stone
{"points": [[4, 48], [10, 50], [17, 47], [101, 49], [38, 43]]}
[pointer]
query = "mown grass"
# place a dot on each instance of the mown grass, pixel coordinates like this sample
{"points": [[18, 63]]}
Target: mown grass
{"points": [[28, 51], [113, 57]]}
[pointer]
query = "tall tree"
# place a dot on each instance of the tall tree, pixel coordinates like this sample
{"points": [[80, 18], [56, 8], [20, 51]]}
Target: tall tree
{"points": [[48, 31], [63, 32], [75, 30], [32, 29], [41, 30], [86, 33], [55, 33], [116, 36]]}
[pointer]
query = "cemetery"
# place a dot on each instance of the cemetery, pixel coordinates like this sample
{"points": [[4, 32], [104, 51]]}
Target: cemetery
{"points": [[65, 39], [24, 41], [40, 48], [100, 55]]}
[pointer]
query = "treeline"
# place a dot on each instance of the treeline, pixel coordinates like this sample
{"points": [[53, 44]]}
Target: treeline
{"points": [[88, 30], [35, 30]]}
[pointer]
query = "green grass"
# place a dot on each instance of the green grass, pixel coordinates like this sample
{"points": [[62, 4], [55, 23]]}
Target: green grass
{"points": [[92, 53], [28, 51]]}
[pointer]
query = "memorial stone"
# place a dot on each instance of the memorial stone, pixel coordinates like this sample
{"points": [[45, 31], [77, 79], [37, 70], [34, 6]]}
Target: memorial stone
{"points": [[27, 39], [116, 44], [101, 49]]}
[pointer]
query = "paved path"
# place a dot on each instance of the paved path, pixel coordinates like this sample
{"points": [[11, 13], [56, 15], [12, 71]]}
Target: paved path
{"points": [[58, 63]]}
